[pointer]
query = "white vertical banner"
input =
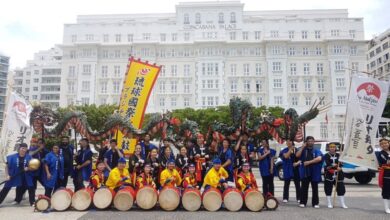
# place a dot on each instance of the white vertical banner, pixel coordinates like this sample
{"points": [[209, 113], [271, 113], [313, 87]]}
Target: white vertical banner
{"points": [[367, 99], [16, 126]]}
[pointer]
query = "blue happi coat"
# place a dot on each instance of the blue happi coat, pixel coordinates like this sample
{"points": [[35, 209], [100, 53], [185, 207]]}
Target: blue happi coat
{"points": [[56, 168], [14, 171], [314, 170], [82, 157]]}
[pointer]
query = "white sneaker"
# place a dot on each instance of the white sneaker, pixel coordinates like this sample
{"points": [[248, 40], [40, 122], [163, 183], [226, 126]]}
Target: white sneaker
{"points": [[316, 206], [285, 200], [302, 205], [329, 200], [388, 211]]}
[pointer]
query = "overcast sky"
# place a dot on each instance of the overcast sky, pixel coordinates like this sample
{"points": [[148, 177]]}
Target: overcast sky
{"points": [[27, 26]]}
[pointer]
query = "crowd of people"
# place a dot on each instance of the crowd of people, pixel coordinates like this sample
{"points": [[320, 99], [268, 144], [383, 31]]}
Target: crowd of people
{"points": [[219, 164]]}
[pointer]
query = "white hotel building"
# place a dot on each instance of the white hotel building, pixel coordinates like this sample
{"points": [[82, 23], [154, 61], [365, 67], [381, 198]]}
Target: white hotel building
{"points": [[213, 51]]}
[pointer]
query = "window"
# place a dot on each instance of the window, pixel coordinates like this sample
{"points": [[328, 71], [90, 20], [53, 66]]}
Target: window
{"points": [[340, 129], [258, 69], [233, 69], [306, 68], [291, 34], [257, 35], [221, 18], [291, 51], [85, 101], [339, 65], [36, 72], [115, 86], [173, 101], [130, 38], [117, 53], [305, 51], [258, 51], [276, 66], [232, 17], [72, 54], [174, 37], [72, 71], [323, 130], [341, 100], [318, 51], [294, 101], [103, 87], [146, 36], [277, 83], [320, 68], [186, 19], [245, 35], [197, 18], [259, 101], [74, 38], [247, 86], [173, 70], [275, 50], [89, 37], [352, 33], [317, 34], [307, 101], [87, 52], [307, 83], [105, 54], [117, 71], [209, 84], [27, 89], [27, 81], [186, 36], [186, 69], [353, 50], [278, 100], [162, 86], [186, 86], [71, 87], [86, 69], [258, 85], [186, 102], [321, 85], [163, 37], [340, 82], [293, 69], [173, 86], [355, 66], [232, 35], [34, 97], [246, 69], [118, 38], [304, 34], [294, 85], [233, 86], [104, 71], [162, 102], [337, 49], [335, 33], [85, 86], [274, 34]]}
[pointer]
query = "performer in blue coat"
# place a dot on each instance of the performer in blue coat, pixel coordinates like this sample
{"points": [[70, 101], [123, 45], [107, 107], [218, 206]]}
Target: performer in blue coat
{"points": [[290, 170], [18, 175], [111, 157], [309, 171], [146, 147], [83, 169], [38, 151], [266, 157], [66, 151], [54, 170], [227, 157]]}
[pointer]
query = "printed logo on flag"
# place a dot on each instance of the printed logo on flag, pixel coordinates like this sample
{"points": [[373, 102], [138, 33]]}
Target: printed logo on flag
{"points": [[369, 93]]}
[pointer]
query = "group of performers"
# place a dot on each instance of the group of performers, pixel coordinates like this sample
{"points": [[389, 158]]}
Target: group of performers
{"points": [[220, 165]]}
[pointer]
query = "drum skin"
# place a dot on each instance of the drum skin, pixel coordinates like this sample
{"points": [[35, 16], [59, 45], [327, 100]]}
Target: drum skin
{"points": [[233, 199], [271, 203], [82, 199], [124, 198], [191, 199], [254, 200], [212, 199], [61, 199], [169, 198], [103, 198], [42, 203], [147, 197]]}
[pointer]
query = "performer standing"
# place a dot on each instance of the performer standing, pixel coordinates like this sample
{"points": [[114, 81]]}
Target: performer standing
{"points": [[97, 178], [155, 166], [112, 156], [201, 155], [182, 161], [189, 180], [119, 176], [216, 177], [241, 158], [145, 178], [309, 171], [167, 155], [66, 151], [136, 162], [244, 140], [38, 151], [54, 170], [227, 158], [102, 151], [290, 171], [333, 170], [83, 168], [170, 176], [146, 146], [18, 174], [266, 163], [246, 179], [384, 172]]}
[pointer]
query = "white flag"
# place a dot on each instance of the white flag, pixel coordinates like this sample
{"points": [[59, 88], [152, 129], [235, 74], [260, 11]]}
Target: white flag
{"points": [[16, 126], [367, 99]]}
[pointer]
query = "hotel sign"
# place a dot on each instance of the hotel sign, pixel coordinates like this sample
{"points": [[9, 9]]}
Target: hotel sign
{"points": [[210, 27]]}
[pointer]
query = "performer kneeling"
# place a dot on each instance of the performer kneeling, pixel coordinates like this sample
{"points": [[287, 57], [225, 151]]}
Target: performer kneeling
{"points": [[145, 178], [119, 176], [97, 178], [216, 177], [170, 176], [190, 178], [333, 171], [18, 175], [246, 179], [54, 170], [384, 172]]}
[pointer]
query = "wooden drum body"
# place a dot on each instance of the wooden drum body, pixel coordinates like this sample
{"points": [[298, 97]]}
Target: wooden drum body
{"points": [[254, 200], [212, 199], [147, 197], [42, 203], [61, 199], [124, 198], [103, 197], [232, 199], [271, 203], [169, 198], [82, 199], [192, 199]]}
